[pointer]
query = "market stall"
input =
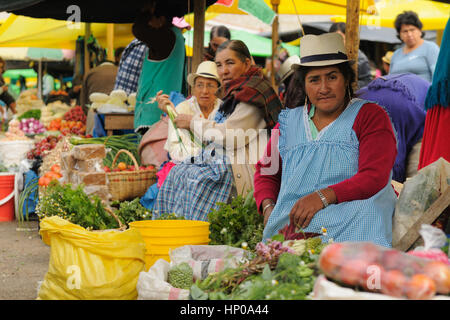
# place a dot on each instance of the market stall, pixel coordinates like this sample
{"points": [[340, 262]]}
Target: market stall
{"points": [[87, 192]]}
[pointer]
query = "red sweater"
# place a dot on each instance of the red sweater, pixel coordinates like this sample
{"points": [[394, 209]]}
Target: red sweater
{"points": [[377, 153]]}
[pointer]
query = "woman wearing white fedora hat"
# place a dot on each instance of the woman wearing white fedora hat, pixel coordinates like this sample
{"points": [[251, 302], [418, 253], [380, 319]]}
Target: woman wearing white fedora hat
{"points": [[333, 174], [204, 103]]}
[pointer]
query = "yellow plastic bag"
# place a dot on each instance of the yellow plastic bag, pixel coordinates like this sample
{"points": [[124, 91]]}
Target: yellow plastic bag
{"points": [[90, 265]]}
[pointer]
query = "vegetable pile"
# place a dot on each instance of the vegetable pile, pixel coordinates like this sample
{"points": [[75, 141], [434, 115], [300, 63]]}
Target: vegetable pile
{"points": [[33, 113], [31, 126], [237, 224], [75, 206], [75, 114], [275, 272], [43, 146]]}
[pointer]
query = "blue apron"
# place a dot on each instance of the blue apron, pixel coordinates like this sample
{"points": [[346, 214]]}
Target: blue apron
{"points": [[309, 165]]}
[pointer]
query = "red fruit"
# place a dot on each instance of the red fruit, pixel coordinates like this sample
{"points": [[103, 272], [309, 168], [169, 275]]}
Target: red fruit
{"points": [[151, 167], [106, 169], [142, 168], [369, 252], [331, 259], [420, 287], [352, 272], [393, 283], [392, 259], [440, 273]]}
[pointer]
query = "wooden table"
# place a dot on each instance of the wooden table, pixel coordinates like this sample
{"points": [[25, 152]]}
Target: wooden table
{"points": [[118, 121]]}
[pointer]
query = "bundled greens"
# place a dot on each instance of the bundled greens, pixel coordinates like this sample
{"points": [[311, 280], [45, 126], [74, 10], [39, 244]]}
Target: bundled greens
{"points": [[129, 211], [75, 206], [236, 224], [33, 113]]}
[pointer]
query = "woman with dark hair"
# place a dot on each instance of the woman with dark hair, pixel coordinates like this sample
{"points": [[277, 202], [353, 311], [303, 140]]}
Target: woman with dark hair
{"points": [[233, 139], [331, 174], [417, 55], [217, 36]]}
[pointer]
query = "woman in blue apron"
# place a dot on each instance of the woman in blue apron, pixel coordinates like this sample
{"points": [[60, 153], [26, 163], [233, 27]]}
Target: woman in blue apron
{"points": [[325, 183]]}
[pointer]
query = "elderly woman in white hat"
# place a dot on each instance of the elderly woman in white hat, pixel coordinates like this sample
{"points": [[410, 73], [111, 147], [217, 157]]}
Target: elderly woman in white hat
{"points": [[336, 152], [204, 103]]}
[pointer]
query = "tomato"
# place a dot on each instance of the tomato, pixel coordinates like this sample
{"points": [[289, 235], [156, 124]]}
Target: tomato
{"points": [[392, 259], [130, 168], [106, 169], [420, 287], [393, 283], [43, 181], [122, 166], [369, 252], [56, 168], [440, 273], [53, 175], [352, 272], [331, 259], [150, 167]]}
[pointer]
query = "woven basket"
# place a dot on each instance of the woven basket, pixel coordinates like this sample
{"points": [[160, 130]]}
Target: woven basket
{"points": [[125, 185]]}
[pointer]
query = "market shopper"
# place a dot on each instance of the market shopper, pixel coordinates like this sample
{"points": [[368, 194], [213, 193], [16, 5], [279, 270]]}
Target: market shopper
{"points": [[417, 55], [226, 166], [285, 73], [5, 96], [403, 96], [331, 174], [203, 103], [163, 66], [217, 36], [130, 66]]}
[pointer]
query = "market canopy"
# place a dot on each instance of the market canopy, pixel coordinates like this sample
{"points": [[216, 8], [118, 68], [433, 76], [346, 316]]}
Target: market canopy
{"points": [[104, 11], [258, 46], [44, 54], [293, 7], [433, 14], [21, 31]]}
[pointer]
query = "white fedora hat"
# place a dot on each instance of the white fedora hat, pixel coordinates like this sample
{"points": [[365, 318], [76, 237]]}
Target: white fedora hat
{"points": [[322, 50], [206, 69], [285, 69]]}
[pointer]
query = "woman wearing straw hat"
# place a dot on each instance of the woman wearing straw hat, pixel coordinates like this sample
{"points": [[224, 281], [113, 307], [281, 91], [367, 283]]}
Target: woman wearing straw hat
{"points": [[333, 175], [226, 166], [205, 83]]}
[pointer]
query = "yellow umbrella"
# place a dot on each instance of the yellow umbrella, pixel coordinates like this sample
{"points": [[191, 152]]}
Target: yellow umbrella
{"points": [[21, 31], [301, 7], [434, 15]]}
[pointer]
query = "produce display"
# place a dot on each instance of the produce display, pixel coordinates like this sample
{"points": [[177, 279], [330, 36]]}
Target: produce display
{"points": [[275, 272], [75, 206], [129, 211], [181, 276], [401, 275], [34, 113], [43, 146], [14, 132], [75, 114], [49, 176], [237, 224], [31, 126]]}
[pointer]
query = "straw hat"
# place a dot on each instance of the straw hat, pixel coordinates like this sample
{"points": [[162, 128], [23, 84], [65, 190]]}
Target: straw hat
{"points": [[285, 69], [322, 50], [206, 69], [387, 57]]}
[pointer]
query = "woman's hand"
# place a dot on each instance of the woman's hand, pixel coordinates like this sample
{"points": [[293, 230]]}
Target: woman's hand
{"points": [[183, 121], [163, 100], [305, 208]]}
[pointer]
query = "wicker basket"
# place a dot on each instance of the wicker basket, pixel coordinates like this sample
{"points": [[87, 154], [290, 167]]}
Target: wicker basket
{"points": [[125, 185]]}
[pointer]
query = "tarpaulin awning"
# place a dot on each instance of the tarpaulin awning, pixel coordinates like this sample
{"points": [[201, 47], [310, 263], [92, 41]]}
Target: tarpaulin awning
{"points": [[301, 7], [258, 46], [432, 14], [20, 31], [104, 11]]}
